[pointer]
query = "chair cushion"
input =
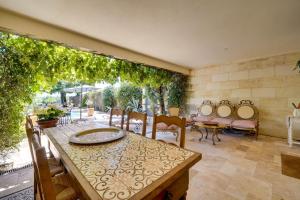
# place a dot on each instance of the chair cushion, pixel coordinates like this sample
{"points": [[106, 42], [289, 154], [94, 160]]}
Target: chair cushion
{"points": [[202, 118], [63, 188], [244, 124], [223, 121], [54, 166], [136, 128], [163, 126]]}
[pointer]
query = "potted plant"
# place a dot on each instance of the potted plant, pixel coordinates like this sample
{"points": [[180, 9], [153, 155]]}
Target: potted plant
{"points": [[48, 117], [90, 105], [297, 66]]}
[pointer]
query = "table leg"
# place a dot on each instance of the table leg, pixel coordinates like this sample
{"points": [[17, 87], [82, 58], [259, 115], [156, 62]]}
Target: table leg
{"points": [[206, 133], [213, 135], [201, 134], [217, 135]]}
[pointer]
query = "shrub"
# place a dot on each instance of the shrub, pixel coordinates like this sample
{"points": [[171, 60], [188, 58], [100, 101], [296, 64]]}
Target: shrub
{"points": [[127, 94], [16, 90], [108, 99]]}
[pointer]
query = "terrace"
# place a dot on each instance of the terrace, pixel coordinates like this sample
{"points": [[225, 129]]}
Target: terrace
{"points": [[149, 100]]}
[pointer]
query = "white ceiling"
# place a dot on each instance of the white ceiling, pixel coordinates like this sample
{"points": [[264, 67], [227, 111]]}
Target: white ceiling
{"points": [[191, 33]]}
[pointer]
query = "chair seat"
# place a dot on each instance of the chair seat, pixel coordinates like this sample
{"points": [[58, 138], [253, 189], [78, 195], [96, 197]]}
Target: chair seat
{"points": [[136, 128], [203, 118], [54, 166], [63, 188], [223, 121], [165, 127], [248, 124], [116, 122]]}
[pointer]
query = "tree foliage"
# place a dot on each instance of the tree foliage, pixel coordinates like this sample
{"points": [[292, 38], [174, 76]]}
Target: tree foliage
{"points": [[60, 86], [127, 94], [28, 65], [177, 91], [108, 99]]}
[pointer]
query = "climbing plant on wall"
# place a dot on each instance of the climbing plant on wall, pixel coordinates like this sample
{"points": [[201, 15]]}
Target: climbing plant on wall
{"points": [[177, 91], [28, 65]]}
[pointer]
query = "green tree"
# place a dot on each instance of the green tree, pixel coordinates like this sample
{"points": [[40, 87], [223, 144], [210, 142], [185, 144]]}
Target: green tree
{"points": [[109, 100], [128, 93], [60, 86]]}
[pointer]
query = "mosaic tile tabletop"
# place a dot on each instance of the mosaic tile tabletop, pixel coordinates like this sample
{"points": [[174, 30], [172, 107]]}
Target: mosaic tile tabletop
{"points": [[120, 169]]}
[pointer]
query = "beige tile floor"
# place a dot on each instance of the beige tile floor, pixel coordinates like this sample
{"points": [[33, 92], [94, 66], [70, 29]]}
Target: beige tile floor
{"points": [[238, 167], [241, 168]]}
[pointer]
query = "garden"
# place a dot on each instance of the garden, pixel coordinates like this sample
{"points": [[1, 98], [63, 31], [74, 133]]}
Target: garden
{"points": [[36, 74]]}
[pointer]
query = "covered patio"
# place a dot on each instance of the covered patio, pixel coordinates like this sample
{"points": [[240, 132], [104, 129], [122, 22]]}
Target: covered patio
{"points": [[183, 100]]}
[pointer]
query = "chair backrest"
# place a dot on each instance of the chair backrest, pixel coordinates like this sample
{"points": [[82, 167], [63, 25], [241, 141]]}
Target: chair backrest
{"points": [[30, 133], [246, 110], [170, 120], [30, 136], [137, 116], [29, 121], [207, 108], [224, 109], [43, 171], [173, 111], [29, 124], [117, 112]]}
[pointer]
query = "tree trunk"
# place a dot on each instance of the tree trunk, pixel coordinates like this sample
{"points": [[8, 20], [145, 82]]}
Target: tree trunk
{"points": [[63, 98], [161, 100]]}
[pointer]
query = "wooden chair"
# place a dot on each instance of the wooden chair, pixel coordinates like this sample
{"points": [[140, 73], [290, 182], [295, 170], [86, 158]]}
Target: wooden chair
{"points": [[54, 166], [52, 188], [162, 127], [137, 116], [30, 124], [116, 112], [170, 120], [247, 117]]}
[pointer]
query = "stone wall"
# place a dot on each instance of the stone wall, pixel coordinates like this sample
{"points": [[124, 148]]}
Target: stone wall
{"points": [[271, 83]]}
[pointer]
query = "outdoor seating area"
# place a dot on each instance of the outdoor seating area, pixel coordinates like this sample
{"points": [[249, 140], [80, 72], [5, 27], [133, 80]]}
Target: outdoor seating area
{"points": [[162, 100], [243, 116]]}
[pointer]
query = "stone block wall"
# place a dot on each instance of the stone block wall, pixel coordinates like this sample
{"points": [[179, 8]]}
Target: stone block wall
{"points": [[271, 83]]}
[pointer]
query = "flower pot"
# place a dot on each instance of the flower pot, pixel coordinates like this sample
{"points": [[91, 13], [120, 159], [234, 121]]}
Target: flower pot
{"points": [[90, 112], [47, 123]]}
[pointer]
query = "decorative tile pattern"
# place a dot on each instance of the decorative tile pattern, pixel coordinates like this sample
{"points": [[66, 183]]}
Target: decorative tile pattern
{"points": [[120, 169]]}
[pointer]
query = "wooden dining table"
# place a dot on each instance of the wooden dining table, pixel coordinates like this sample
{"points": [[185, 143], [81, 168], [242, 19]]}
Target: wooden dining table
{"points": [[133, 167]]}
